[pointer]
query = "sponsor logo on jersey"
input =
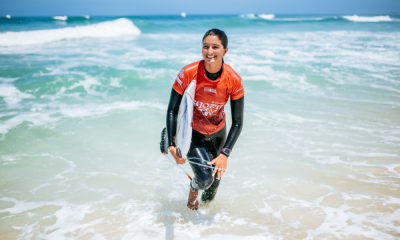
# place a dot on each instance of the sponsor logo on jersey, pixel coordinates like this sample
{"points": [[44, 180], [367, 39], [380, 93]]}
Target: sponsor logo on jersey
{"points": [[181, 74], [208, 109], [179, 77], [239, 89], [211, 90], [178, 80]]}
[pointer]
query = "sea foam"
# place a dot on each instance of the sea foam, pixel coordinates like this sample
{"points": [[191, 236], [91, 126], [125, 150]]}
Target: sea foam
{"points": [[266, 16], [61, 18], [10, 94], [356, 18], [114, 28]]}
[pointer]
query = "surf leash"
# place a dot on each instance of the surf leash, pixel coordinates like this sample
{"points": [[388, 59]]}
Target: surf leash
{"points": [[164, 150], [174, 163]]}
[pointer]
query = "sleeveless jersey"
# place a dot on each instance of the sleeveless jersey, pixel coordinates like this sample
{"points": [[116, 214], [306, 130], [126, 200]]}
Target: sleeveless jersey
{"points": [[210, 96]]}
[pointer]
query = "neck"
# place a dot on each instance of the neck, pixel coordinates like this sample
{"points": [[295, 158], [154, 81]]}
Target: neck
{"points": [[213, 67]]}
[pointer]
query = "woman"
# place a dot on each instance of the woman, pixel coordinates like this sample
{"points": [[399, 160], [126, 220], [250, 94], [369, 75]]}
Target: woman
{"points": [[215, 83]]}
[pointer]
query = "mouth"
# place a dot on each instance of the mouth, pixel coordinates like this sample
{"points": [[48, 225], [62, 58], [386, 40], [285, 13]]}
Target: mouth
{"points": [[210, 57]]}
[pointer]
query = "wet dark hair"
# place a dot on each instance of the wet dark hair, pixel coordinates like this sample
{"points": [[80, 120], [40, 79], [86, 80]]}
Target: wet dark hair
{"points": [[220, 34]]}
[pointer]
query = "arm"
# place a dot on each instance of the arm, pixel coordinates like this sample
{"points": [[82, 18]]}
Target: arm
{"points": [[237, 107], [221, 161], [172, 120], [172, 116]]}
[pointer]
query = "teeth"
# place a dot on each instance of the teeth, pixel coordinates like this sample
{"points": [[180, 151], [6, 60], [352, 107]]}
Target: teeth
{"points": [[210, 56]]}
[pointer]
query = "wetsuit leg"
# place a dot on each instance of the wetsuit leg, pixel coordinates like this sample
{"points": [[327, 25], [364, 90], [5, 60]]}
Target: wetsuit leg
{"points": [[205, 148], [198, 154], [217, 142]]}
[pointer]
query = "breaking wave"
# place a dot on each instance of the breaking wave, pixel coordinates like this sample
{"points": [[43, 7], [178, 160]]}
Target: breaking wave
{"points": [[356, 18], [114, 28]]}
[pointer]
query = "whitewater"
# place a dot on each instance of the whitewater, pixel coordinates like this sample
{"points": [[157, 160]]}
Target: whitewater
{"points": [[83, 102]]}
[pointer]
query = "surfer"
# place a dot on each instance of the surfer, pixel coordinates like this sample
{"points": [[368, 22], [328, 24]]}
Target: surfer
{"points": [[216, 81]]}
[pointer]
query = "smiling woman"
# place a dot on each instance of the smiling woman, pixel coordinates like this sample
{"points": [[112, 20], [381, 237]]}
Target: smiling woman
{"points": [[215, 83]]}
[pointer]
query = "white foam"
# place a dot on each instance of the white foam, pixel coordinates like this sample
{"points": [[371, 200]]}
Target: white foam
{"points": [[8, 16], [115, 82], [11, 95], [87, 16], [119, 27], [266, 16], [61, 18], [98, 109], [37, 119], [183, 14], [250, 15], [356, 18], [21, 206], [301, 19], [87, 84]]}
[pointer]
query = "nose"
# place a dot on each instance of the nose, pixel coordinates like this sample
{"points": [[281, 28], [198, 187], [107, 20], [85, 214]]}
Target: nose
{"points": [[210, 51]]}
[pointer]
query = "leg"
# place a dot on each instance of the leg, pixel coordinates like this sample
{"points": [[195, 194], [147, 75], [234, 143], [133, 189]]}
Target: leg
{"points": [[216, 145], [198, 158], [193, 203], [209, 194], [202, 178]]}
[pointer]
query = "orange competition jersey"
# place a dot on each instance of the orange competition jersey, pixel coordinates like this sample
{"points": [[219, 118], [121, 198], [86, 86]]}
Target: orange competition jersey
{"points": [[210, 96]]}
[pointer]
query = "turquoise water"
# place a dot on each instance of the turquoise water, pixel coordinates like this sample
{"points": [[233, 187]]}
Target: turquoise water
{"points": [[83, 103]]}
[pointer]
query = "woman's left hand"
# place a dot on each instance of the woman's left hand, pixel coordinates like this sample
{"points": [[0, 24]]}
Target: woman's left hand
{"points": [[220, 162]]}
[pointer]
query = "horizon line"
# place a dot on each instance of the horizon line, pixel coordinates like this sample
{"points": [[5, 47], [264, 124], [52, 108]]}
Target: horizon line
{"points": [[188, 14]]}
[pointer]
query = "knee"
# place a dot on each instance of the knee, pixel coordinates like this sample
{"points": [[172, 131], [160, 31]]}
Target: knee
{"points": [[202, 183]]}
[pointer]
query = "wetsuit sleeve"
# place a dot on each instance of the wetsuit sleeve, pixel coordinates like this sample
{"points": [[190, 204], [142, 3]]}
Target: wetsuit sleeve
{"points": [[172, 116], [237, 108]]}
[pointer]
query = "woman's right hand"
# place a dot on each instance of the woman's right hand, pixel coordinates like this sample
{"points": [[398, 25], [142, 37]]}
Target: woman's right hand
{"points": [[174, 153]]}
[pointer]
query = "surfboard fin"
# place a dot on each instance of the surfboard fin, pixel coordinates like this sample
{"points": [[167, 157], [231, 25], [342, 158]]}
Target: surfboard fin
{"points": [[164, 141]]}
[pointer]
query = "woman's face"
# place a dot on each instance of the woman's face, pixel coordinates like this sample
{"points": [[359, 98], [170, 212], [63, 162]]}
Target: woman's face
{"points": [[213, 50]]}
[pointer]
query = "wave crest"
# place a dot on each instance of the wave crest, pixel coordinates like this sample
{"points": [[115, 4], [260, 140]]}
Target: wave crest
{"points": [[266, 16], [356, 18], [114, 28], [61, 18]]}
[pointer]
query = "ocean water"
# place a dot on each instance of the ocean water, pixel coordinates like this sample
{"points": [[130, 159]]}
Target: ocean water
{"points": [[83, 103]]}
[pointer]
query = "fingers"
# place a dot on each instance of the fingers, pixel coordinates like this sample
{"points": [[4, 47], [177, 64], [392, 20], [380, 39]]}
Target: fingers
{"points": [[215, 170], [222, 174], [181, 161], [178, 159]]}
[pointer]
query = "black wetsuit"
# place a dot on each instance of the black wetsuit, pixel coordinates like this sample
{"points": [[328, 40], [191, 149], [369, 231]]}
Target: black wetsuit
{"points": [[205, 148]]}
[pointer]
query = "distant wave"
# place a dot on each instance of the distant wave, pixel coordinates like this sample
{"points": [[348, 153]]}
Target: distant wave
{"points": [[356, 18], [272, 17], [305, 19], [61, 18], [266, 16], [249, 15], [259, 16], [114, 28]]}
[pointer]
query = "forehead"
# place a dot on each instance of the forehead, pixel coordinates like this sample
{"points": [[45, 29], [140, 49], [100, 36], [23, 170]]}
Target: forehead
{"points": [[212, 39]]}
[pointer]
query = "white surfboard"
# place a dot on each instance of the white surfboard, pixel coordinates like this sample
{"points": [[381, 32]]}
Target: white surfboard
{"points": [[183, 137]]}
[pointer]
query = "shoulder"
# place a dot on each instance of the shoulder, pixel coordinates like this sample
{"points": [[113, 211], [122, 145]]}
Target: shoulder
{"points": [[231, 73], [190, 69]]}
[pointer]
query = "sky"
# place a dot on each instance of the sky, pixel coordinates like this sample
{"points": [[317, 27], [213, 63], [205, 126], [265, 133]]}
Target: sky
{"points": [[172, 7]]}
